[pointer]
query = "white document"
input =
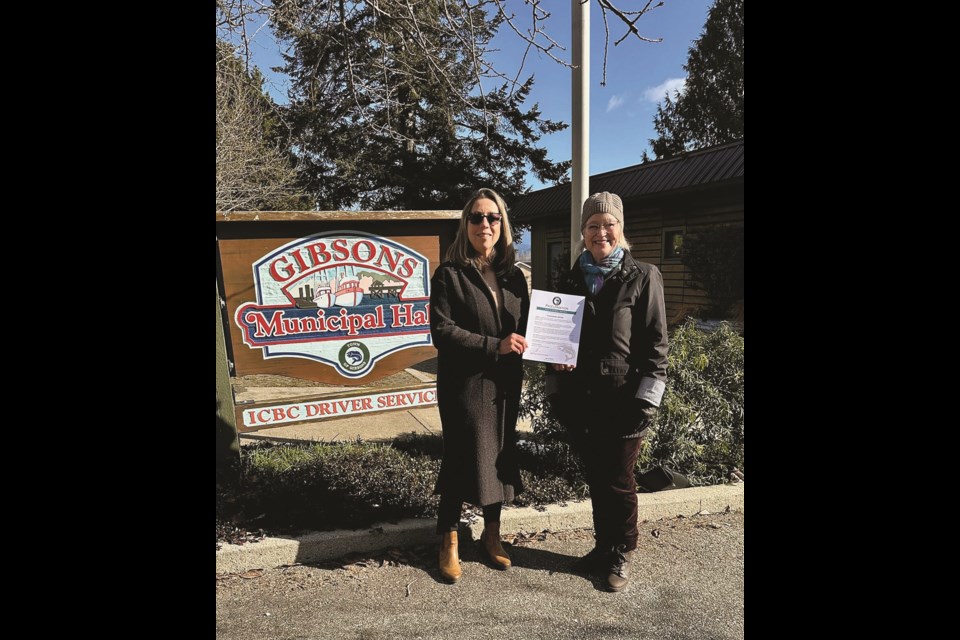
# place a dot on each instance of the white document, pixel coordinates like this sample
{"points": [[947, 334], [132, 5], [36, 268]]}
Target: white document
{"points": [[553, 329]]}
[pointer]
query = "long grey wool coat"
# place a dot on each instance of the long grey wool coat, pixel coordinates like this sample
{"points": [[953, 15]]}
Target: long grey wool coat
{"points": [[478, 390]]}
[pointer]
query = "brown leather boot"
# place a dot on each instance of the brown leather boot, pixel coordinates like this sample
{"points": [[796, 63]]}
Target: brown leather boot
{"points": [[618, 566], [490, 539], [450, 557]]}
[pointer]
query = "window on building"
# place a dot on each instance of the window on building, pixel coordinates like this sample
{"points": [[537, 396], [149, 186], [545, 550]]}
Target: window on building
{"points": [[554, 268], [673, 243]]}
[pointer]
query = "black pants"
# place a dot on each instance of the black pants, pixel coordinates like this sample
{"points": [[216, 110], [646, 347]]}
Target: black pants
{"points": [[609, 464], [448, 515]]}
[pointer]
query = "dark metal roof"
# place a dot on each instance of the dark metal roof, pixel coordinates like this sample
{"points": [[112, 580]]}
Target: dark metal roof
{"points": [[694, 169]]}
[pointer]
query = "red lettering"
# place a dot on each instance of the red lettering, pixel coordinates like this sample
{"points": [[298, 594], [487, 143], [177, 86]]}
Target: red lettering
{"points": [[391, 401], [401, 315], [340, 249], [278, 414], [286, 268], [343, 405], [357, 405], [252, 419], [319, 252], [290, 413], [374, 320], [382, 401], [407, 269], [264, 328], [264, 418], [367, 403], [325, 408], [312, 410], [430, 396], [299, 258], [392, 259], [355, 323], [371, 251]]}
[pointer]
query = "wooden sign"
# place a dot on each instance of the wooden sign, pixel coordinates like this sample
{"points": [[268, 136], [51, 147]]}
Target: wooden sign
{"points": [[265, 416], [341, 304]]}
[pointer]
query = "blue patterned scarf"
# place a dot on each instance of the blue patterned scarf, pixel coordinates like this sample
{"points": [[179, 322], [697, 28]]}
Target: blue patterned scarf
{"points": [[593, 273]]}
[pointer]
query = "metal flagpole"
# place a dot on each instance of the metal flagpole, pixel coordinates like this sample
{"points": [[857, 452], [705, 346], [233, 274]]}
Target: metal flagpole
{"points": [[580, 99]]}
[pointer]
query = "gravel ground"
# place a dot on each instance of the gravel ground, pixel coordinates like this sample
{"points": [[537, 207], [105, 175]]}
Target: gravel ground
{"points": [[687, 583]]}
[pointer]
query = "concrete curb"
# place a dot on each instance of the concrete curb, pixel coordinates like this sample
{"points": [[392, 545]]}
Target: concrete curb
{"points": [[326, 545]]}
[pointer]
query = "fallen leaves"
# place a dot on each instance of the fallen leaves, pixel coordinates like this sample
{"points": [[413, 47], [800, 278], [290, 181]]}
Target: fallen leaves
{"points": [[233, 534], [246, 575], [393, 557], [522, 538]]}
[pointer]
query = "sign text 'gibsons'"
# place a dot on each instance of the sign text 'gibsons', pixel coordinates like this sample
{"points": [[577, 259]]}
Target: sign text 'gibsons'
{"points": [[345, 298]]}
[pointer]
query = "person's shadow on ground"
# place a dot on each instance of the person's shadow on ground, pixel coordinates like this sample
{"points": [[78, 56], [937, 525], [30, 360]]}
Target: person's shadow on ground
{"points": [[471, 551], [424, 557], [524, 557], [543, 560]]}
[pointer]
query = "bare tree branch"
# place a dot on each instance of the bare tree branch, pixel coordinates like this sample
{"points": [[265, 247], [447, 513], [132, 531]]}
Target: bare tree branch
{"points": [[237, 17], [606, 5], [406, 43], [537, 15], [251, 172]]}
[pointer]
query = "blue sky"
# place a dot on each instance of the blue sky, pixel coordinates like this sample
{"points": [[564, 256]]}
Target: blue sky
{"points": [[621, 113]]}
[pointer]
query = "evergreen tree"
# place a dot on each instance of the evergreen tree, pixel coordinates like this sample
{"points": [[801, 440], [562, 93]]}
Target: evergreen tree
{"points": [[388, 110], [710, 109]]}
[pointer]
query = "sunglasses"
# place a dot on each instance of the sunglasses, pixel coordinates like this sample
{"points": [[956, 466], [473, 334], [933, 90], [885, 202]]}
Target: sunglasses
{"points": [[477, 218]]}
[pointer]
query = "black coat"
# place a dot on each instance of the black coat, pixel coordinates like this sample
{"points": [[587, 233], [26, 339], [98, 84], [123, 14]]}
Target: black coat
{"points": [[478, 390], [622, 360]]}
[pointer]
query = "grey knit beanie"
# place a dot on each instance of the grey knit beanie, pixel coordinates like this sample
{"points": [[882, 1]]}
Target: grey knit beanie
{"points": [[602, 202]]}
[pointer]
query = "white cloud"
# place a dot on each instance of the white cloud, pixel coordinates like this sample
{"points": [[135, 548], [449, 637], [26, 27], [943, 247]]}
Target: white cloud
{"points": [[672, 85], [613, 103]]}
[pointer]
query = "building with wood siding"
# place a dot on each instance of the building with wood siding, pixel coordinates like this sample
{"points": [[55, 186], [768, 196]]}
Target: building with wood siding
{"points": [[663, 201]]}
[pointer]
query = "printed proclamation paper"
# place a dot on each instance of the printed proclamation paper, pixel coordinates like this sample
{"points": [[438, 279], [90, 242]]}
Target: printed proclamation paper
{"points": [[553, 330]]}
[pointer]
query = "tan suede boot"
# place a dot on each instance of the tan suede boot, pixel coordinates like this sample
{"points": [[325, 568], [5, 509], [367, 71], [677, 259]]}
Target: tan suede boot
{"points": [[450, 557], [490, 539]]}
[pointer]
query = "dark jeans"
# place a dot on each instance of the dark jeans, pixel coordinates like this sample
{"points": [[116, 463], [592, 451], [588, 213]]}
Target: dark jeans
{"points": [[609, 464], [448, 515]]}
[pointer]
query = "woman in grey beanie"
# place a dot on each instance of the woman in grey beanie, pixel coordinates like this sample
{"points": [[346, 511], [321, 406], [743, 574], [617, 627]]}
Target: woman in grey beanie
{"points": [[608, 400]]}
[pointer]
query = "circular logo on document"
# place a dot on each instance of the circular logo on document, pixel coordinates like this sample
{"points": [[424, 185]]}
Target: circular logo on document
{"points": [[557, 301]]}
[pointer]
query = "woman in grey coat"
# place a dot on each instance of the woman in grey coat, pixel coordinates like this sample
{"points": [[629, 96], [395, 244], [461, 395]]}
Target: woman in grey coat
{"points": [[478, 316], [609, 399]]}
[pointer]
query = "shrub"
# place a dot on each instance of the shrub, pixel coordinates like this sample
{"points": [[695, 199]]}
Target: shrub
{"points": [[534, 404], [420, 444], [288, 488], [323, 486], [699, 428], [542, 489]]}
